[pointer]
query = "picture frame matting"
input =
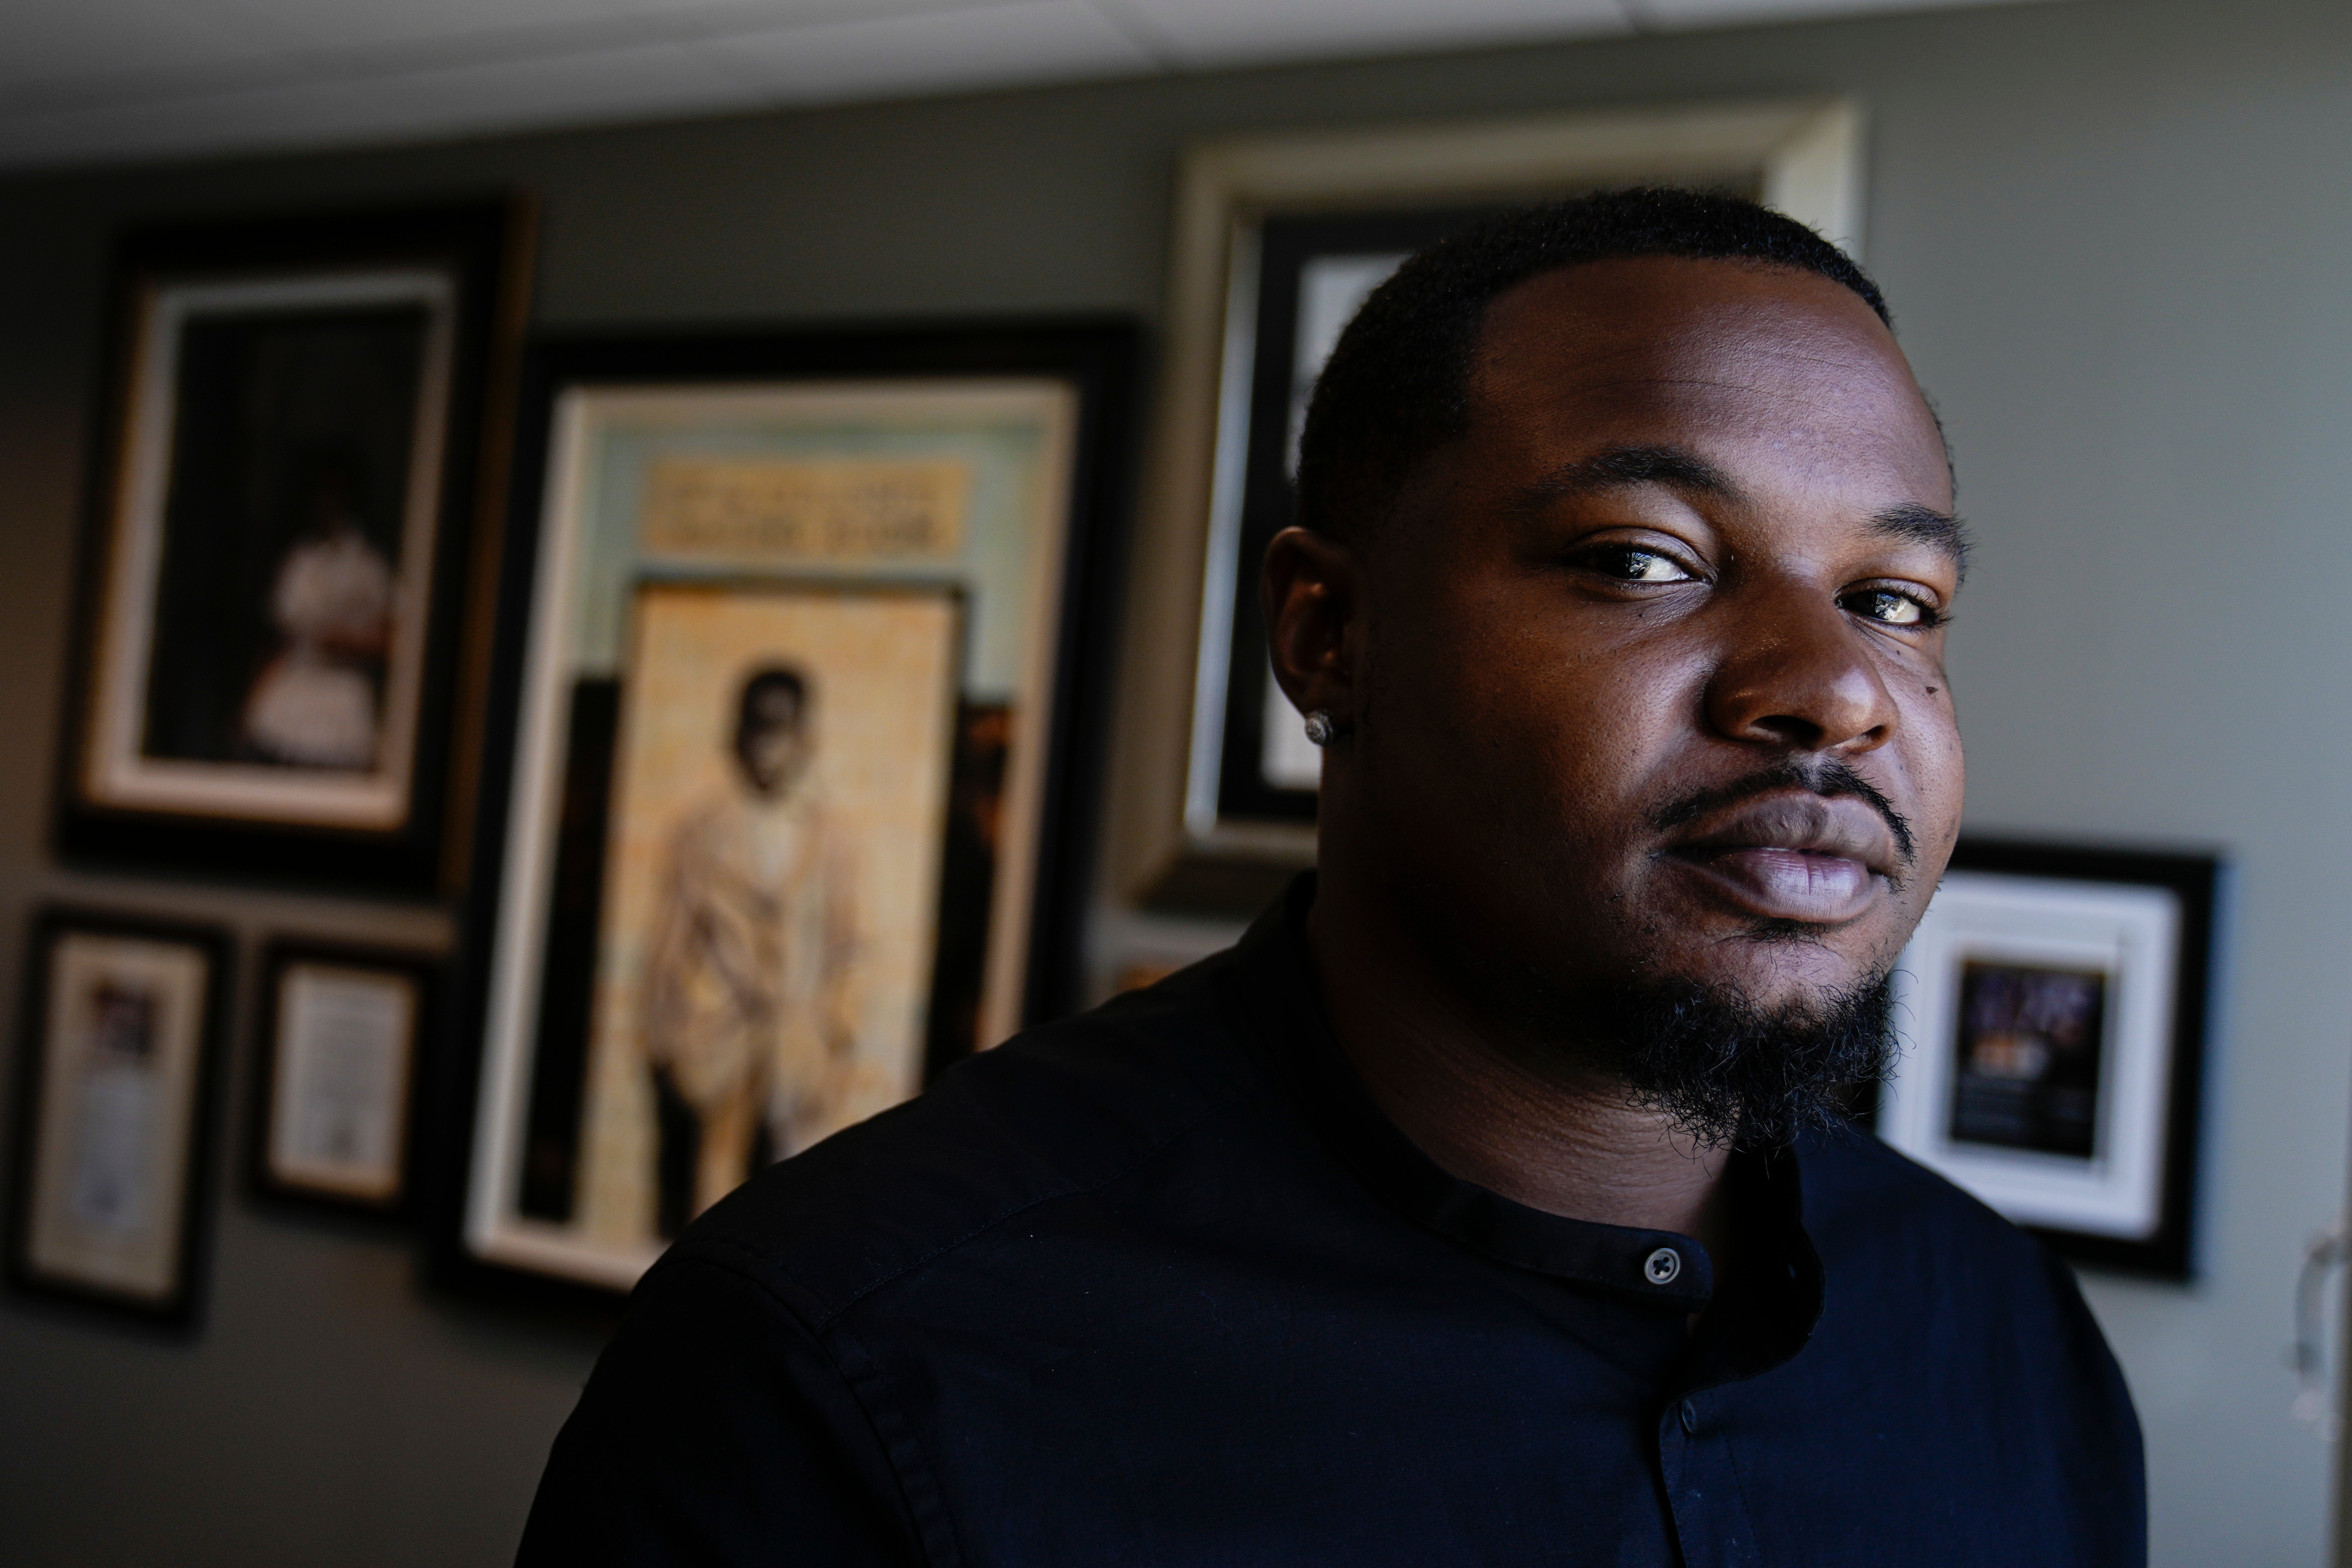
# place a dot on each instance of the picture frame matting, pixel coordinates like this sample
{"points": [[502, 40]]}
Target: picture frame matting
{"points": [[117, 1110]]}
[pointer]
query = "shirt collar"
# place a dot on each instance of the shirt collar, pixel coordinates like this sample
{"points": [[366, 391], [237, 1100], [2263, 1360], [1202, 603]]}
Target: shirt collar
{"points": [[1776, 1287]]}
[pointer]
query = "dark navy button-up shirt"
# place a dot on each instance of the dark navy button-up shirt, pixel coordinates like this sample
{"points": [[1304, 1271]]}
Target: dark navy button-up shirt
{"points": [[1161, 1286]]}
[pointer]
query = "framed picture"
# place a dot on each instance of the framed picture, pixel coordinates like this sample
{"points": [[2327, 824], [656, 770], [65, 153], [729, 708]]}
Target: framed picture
{"points": [[2051, 1010], [114, 1110], [303, 419], [1277, 241], [341, 1030], [801, 654]]}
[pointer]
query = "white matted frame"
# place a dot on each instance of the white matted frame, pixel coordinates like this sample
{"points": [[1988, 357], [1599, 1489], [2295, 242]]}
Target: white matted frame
{"points": [[2051, 1015], [119, 1063], [964, 461], [1169, 843], [117, 770], [336, 1070], [303, 425]]}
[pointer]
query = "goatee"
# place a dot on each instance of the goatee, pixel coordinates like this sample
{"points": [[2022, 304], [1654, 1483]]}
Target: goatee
{"points": [[1729, 1072]]}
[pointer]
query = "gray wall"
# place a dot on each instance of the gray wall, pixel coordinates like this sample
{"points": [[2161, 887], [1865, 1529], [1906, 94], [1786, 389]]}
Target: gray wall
{"points": [[2116, 237]]}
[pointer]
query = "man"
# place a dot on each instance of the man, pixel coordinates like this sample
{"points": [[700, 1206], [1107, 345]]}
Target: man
{"points": [[749, 1021], [1485, 1204]]}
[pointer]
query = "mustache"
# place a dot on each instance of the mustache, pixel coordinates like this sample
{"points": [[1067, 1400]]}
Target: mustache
{"points": [[1824, 776]]}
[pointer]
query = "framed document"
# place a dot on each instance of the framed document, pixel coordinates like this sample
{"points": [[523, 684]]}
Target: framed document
{"points": [[801, 660], [300, 421], [340, 1032], [113, 1109], [2051, 1014]]}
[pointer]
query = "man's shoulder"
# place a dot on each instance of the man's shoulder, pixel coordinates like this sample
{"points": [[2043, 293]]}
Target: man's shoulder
{"points": [[1864, 1198], [1059, 1110]]}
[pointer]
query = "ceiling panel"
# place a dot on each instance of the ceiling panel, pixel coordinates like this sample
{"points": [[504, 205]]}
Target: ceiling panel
{"points": [[1733, 13], [1210, 33], [109, 80], [651, 79], [972, 46], [48, 41]]}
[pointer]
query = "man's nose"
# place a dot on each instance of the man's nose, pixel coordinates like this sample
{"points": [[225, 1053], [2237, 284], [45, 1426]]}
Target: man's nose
{"points": [[1797, 674]]}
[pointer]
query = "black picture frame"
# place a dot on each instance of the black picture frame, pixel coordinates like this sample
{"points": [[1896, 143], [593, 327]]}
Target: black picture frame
{"points": [[1287, 243], [2195, 883], [421, 973], [1099, 358], [180, 1305], [482, 249]]}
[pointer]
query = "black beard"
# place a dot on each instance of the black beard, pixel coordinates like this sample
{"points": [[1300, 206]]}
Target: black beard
{"points": [[1730, 1073]]}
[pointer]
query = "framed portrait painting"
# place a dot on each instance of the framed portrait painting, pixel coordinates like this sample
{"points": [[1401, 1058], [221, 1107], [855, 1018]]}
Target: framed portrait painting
{"points": [[800, 657], [2051, 1014], [337, 1069], [114, 1110], [301, 419]]}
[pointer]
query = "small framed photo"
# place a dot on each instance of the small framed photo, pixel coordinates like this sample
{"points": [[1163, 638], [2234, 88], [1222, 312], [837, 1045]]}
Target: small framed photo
{"points": [[342, 1029], [2051, 1011], [114, 1110], [296, 432]]}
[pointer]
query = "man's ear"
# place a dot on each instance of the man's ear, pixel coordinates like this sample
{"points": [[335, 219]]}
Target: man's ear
{"points": [[1310, 589]]}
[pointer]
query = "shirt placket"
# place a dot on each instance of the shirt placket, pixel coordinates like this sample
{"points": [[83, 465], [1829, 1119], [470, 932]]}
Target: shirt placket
{"points": [[1711, 1527]]}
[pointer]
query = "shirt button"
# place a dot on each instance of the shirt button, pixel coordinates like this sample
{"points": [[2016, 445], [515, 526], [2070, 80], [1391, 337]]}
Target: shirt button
{"points": [[1660, 1267], [1690, 1416]]}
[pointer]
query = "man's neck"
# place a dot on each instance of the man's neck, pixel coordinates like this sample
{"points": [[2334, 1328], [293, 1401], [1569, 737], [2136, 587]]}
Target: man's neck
{"points": [[1541, 1132]]}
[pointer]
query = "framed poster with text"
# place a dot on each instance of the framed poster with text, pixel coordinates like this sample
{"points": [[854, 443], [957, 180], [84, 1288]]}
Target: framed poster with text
{"points": [[800, 656]]}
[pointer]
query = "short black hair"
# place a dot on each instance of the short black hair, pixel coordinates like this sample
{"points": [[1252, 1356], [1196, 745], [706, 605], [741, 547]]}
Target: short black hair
{"points": [[1397, 385], [750, 704]]}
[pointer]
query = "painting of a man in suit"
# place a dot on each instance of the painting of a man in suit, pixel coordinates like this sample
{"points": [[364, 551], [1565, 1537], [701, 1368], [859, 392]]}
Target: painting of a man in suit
{"points": [[750, 1019]]}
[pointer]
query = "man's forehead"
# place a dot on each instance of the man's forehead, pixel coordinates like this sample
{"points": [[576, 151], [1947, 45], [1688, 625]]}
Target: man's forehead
{"points": [[1746, 364]]}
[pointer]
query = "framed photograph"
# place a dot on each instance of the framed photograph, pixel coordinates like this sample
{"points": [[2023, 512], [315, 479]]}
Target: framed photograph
{"points": [[114, 1110], [341, 1030], [800, 656], [303, 419], [2051, 1012], [1277, 241]]}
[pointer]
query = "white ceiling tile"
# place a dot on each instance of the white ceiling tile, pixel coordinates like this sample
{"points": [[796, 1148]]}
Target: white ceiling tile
{"points": [[1200, 32], [1733, 13], [1020, 41], [91, 80], [661, 79], [49, 40], [563, 25]]}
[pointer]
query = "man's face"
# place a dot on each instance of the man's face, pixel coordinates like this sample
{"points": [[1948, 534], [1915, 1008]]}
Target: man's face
{"points": [[1651, 682], [773, 742]]}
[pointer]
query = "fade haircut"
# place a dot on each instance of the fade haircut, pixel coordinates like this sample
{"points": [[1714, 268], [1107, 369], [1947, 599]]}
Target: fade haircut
{"points": [[1397, 385]]}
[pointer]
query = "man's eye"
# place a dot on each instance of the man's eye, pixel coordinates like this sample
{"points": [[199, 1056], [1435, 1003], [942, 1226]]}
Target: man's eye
{"points": [[1890, 609], [1628, 565]]}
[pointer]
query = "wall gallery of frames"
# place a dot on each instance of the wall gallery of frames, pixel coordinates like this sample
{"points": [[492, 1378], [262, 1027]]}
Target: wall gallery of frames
{"points": [[742, 695]]}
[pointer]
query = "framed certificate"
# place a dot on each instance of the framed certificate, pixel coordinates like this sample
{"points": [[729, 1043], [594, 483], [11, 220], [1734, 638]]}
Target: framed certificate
{"points": [[338, 1066], [114, 1110]]}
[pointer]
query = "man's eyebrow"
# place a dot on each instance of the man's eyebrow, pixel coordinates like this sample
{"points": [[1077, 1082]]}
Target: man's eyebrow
{"points": [[1621, 466], [1925, 525]]}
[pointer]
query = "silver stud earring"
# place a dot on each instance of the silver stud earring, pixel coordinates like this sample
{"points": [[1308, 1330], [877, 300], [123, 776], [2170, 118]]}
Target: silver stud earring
{"points": [[1320, 730]]}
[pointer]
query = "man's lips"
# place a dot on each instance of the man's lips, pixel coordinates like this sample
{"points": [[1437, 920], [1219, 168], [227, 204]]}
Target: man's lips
{"points": [[1793, 855]]}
